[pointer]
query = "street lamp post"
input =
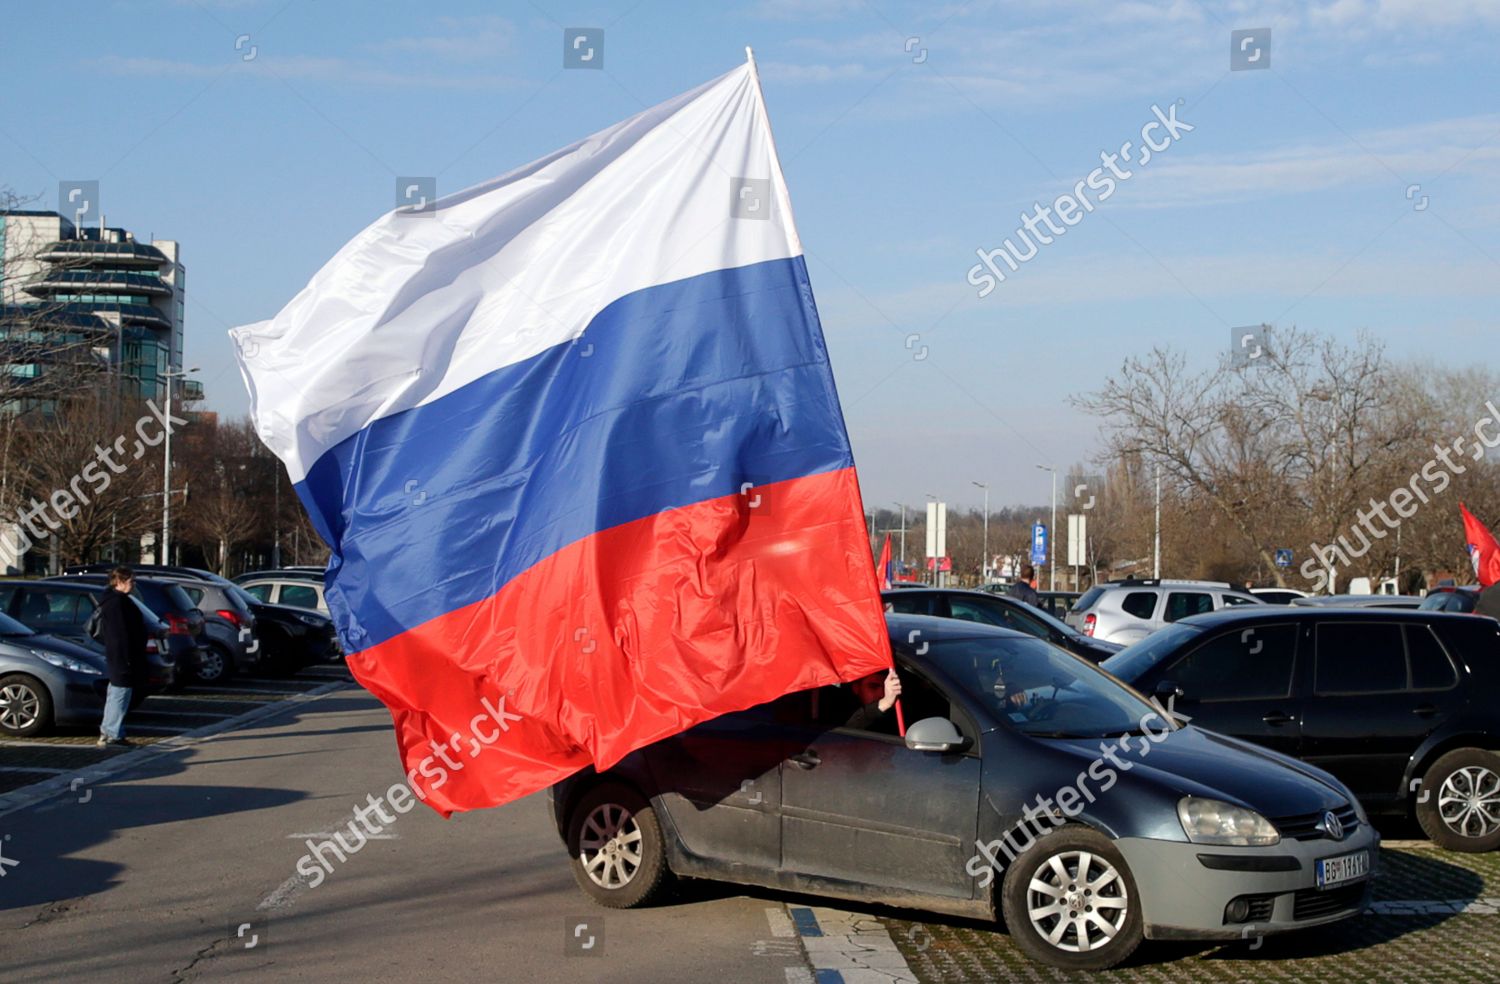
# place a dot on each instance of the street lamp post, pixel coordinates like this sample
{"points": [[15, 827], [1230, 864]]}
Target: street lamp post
{"points": [[937, 561], [984, 565], [1052, 534], [903, 535], [166, 468]]}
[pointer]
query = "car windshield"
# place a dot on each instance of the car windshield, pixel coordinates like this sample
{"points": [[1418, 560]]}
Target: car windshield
{"points": [[1087, 599], [1052, 621], [1041, 690], [1129, 663], [10, 627]]}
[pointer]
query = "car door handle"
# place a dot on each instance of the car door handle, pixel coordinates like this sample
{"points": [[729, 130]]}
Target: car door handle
{"points": [[1277, 718], [807, 760], [1425, 710]]}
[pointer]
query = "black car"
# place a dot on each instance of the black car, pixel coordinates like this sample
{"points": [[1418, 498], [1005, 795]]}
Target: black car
{"points": [[1028, 782], [1399, 704], [186, 635], [1001, 610], [61, 610], [1451, 599]]}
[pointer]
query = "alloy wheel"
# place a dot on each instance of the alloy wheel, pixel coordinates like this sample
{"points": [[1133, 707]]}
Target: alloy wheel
{"points": [[1077, 901], [609, 846], [19, 706], [1469, 801]]}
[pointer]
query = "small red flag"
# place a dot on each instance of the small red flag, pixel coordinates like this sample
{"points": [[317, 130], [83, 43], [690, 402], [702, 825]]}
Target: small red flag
{"points": [[1483, 549], [883, 568]]}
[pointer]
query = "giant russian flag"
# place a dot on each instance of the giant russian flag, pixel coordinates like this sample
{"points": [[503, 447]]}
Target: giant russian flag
{"points": [[574, 442]]}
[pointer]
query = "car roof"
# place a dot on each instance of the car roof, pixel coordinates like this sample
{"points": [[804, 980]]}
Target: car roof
{"points": [[1311, 613], [933, 628]]}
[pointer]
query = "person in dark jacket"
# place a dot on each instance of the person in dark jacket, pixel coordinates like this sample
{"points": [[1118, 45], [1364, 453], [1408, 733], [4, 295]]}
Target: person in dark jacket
{"points": [[1022, 589], [123, 632], [877, 694]]}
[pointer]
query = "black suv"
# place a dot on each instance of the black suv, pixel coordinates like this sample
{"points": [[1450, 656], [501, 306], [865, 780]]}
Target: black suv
{"points": [[1398, 704], [1001, 610]]}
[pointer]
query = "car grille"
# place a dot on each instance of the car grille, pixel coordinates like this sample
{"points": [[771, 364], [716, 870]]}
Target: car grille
{"points": [[1305, 826], [1310, 903]]}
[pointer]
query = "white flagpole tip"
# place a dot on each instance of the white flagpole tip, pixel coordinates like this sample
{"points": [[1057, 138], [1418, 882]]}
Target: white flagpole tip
{"points": [[749, 55]]}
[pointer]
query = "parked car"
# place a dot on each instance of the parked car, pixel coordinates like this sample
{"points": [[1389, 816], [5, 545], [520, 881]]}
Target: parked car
{"points": [[61, 609], [1451, 599], [1213, 839], [1001, 610], [284, 573], [232, 635], [1278, 596], [1397, 704], [297, 592], [1057, 603], [1128, 611], [47, 682], [187, 631], [1358, 601]]}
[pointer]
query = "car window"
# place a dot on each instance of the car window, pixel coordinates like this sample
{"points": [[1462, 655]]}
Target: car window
{"points": [[299, 595], [179, 598], [833, 706], [7, 592], [50, 610], [1230, 600], [1141, 604], [1431, 669], [1243, 664], [1087, 599], [1360, 658], [260, 592], [1181, 604], [195, 594], [907, 602], [967, 611]]}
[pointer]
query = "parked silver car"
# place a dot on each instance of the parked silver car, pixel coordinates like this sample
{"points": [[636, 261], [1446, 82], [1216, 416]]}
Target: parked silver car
{"points": [[298, 592], [1128, 611]]}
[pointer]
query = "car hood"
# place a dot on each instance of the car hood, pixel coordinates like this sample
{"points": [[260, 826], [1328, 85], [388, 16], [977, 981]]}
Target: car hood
{"points": [[62, 647], [1193, 762]]}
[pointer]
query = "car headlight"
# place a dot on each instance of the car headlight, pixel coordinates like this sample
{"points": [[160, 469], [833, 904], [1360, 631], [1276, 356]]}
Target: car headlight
{"points": [[1207, 821], [67, 663]]}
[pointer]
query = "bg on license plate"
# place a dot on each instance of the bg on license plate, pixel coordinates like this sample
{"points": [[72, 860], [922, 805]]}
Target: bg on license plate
{"points": [[1344, 868]]}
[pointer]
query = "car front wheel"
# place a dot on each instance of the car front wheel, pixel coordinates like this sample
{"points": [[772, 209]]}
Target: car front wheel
{"points": [[1070, 901], [1459, 802], [615, 846], [25, 706]]}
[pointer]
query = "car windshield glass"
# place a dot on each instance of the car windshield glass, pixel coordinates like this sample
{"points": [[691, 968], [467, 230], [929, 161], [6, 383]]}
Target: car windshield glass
{"points": [[1051, 621], [240, 595], [10, 627], [1131, 662], [1041, 690]]}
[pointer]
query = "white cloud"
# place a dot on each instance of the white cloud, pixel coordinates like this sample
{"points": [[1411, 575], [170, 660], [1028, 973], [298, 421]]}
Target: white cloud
{"points": [[464, 39], [341, 70]]}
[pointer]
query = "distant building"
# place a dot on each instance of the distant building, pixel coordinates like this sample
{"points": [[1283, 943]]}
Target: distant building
{"points": [[104, 297]]}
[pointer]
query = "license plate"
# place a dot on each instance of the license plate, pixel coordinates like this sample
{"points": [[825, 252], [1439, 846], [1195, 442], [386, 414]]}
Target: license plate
{"points": [[1344, 868]]}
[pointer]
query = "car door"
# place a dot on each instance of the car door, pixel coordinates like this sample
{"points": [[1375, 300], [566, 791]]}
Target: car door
{"points": [[860, 806], [720, 783], [1241, 682], [1379, 688]]}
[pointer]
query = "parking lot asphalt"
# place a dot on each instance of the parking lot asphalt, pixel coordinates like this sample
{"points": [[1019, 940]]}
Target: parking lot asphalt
{"points": [[183, 865]]}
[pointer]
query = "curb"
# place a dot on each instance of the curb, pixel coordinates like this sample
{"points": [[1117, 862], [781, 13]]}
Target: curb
{"points": [[26, 796]]}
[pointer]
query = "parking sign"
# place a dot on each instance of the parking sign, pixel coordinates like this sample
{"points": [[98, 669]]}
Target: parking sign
{"points": [[1039, 543]]}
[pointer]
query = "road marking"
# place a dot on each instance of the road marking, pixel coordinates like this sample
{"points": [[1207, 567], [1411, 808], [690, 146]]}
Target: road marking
{"points": [[1436, 907], [190, 692], [151, 710], [781, 923], [40, 792], [838, 943], [30, 768], [328, 835]]}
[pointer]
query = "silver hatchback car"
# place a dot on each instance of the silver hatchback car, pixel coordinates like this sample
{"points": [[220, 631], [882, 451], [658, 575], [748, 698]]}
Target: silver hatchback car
{"points": [[1128, 611]]}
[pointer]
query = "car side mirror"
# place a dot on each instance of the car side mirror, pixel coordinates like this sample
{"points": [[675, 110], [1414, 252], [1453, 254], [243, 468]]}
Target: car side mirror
{"points": [[1167, 688], [934, 734]]}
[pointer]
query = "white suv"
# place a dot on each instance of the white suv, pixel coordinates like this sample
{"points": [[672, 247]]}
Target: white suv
{"points": [[1128, 611]]}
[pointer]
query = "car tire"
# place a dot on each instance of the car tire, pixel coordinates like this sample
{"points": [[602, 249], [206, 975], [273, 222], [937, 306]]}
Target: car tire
{"points": [[215, 666], [1458, 805], [25, 706], [616, 848], [1050, 869]]}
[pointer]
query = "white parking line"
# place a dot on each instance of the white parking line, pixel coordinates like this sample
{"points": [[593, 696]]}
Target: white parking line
{"points": [[1436, 907], [30, 768], [151, 710], [848, 947]]}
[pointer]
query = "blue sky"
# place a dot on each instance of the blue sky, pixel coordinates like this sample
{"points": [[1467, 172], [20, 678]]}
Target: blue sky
{"points": [[263, 134]]}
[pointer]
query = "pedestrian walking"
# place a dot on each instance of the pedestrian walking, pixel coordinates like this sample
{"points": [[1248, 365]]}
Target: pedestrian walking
{"points": [[123, 632], [1022, 589]]}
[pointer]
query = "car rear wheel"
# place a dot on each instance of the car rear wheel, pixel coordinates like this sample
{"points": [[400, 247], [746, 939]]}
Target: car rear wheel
{"points": [[615, 846], [1459, 803], [1071, 902], [25, 706], [215, 665]]}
